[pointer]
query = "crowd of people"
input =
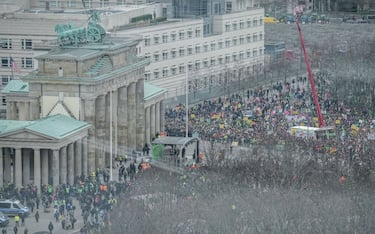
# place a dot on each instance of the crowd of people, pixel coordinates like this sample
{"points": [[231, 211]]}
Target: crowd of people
{"points": [[266, 114], [95, 194]]}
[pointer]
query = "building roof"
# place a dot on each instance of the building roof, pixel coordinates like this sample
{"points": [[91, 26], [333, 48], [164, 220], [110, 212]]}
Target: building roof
{"points": [[16, 86], [174, 140], [55, 126], [19, 86], [151, 91]]}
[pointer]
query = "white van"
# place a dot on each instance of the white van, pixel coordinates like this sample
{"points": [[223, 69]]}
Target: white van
{"points": [[313, 132]]}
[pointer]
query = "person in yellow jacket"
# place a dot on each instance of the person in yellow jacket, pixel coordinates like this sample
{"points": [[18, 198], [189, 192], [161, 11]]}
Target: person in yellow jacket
{"points": [[17, 220]]}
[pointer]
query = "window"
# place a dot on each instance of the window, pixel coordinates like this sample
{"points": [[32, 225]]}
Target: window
{"points": [[227, 27], [235, 41], [234, 25], [227, 58], [255, 52], [5, 61], [182, 51], [248, 53], [190, 50], [228, 7], [174, 70], [197, 49], [255, 37], [181, 68], [104, 3], [156, 74], [197, 64], [260, 36], [205, 47], [255, 22], [165, 71], [147, 56], [88, 3], [165, 55], [181, 35], [5, 79], [261, 51], [174, 53], [147, 41], [242, 24], [234, 56], [220, 44], [165, 38], [249, 23], [156, 39], [190, 33], [213, 61], [248, 38], [227, 42], [190, 66], [213, 45], [173, 36], [242, 40], [27, 62], [205, 63], [5, 43], [217, 8], [4, 205], [261, 21], [156, 56], [242, 55], [27, 44], [147, 75], [221, 60], [197, 32]]}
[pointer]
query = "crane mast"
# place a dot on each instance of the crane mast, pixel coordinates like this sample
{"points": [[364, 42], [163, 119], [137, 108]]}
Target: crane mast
{"points": [[311, 78]]}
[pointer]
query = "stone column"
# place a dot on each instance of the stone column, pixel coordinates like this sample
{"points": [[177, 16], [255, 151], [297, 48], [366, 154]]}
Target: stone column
{"points": [[55, 167], [25, 166], [122, 117], [78, 158], [132, 116], [89, 107], [147, 125], [34, 109], [7, 166], [84, 156], [63, 165], [71, 163], [37, 169], [100, 126], [114, 124], [152, 121], [1, 168], [22, 112], [140, 118], [157, 117], [45, 163], [27, 110], [162, 116], [18, 168], [11, 110]]}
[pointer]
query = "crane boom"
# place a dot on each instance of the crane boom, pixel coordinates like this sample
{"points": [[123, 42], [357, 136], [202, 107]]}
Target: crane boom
{"points": [[311, 78]]}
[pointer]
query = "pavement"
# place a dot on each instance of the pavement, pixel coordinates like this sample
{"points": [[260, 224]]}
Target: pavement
{"points": [[44, 219]]}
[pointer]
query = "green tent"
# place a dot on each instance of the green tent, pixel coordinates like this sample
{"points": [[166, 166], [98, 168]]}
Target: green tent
{"points": [[157, 151]]}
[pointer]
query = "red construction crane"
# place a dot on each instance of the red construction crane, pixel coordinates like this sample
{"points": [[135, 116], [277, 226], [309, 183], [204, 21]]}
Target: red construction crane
{"points": [[311, 78]]}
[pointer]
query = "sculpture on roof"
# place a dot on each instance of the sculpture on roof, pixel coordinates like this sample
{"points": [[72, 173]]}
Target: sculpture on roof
{"points": [[68, 34]]}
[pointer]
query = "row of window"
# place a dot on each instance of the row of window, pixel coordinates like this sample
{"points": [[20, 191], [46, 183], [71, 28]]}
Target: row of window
{"points": [[6, 43], [78, 3], [26, 63], [235, 25], [213, 61], [165, 37], [182, 51]]}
